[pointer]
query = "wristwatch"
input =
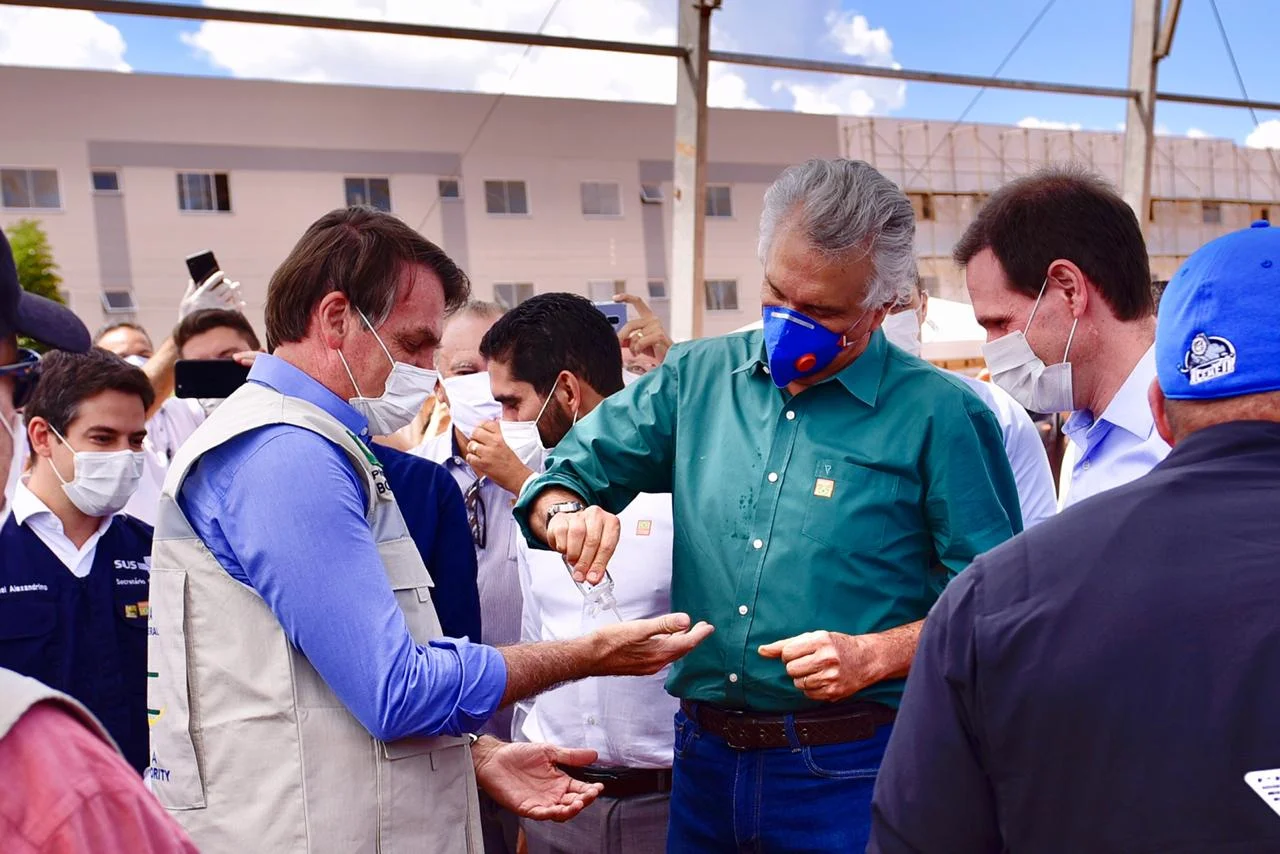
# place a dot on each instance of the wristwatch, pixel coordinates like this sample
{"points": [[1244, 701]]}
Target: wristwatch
{"points": [[564, 507]]}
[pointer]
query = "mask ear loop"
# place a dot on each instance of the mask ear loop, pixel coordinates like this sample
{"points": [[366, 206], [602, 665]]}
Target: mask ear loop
{"points": [[57, 473], [376, 337], [1070, 336], [1036, 307]]}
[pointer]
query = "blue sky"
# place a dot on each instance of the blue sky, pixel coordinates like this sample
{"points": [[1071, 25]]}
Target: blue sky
{"points": [[1078, 41]]}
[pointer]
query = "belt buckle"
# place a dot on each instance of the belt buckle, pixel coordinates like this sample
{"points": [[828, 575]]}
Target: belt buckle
{"points": [[735, 732]]}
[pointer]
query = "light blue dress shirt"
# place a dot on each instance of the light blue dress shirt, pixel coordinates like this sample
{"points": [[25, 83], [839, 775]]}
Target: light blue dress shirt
{"points": [[283, 510], [1120, 446]]}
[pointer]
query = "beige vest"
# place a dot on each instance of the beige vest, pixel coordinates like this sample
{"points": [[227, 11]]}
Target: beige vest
{"points": [[19, 693], [251, 750]]}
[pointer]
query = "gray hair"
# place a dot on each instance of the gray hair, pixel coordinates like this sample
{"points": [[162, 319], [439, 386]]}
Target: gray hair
{"points": [[843, 207]]}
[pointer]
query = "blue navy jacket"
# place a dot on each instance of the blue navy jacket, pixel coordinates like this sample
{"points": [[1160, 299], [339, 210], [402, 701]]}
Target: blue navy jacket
{"points": [[1105, 681], [436, 517], [84, 636]]}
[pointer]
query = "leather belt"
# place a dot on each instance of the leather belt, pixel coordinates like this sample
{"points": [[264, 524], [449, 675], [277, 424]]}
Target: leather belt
{"points": [[743, 730], [624, 782]]}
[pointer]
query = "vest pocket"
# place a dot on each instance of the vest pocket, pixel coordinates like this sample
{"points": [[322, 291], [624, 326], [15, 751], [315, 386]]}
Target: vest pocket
{"points": [[175, 771], [26, 635], [414, 773]]}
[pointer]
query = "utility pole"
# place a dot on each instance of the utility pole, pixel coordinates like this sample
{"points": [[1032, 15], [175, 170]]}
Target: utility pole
{"points": [[1140, 115], [688, 203]]}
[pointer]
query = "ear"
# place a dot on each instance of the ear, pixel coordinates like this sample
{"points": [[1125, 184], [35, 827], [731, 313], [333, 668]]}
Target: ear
{"points": [[1071, 286], [1156, 399], [440, 393], [333, 319], [41, 437], [571, 388], [924, 306]]}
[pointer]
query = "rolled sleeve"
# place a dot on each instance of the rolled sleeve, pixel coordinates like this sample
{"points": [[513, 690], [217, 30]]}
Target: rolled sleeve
{"points": [[932, 792], [299, 537], [624, 447], [972, 499]]}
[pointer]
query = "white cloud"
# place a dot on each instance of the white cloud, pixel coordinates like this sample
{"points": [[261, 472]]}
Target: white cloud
{"points": [[1196, 133], [1049, 124], [1266, 135], [307, 55], [857, 96], [59, 38]]}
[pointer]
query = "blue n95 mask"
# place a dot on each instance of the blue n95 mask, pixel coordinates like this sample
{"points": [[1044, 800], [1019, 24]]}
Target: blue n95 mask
{"points": [[799, 346]]}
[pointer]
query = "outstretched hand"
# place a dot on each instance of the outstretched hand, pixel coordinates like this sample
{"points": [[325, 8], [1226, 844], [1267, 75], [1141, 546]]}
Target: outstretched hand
{"points": [[643, 647], [525, 778]]}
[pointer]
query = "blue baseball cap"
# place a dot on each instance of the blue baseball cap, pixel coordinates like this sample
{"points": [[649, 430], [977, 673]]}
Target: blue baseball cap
{"points": [[24, 313], [1218, 330]]}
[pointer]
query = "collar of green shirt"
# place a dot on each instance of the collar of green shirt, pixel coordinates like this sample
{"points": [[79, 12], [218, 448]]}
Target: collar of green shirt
{"points": [[861, 378]]}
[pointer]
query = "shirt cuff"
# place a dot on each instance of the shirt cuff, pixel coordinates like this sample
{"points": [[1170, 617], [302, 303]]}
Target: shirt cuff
{"points": [[484, 681], [529, 493]]}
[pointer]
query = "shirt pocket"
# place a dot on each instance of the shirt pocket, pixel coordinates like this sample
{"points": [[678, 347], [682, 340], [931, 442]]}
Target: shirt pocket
{"points": [[848, 506], [26, 634]]}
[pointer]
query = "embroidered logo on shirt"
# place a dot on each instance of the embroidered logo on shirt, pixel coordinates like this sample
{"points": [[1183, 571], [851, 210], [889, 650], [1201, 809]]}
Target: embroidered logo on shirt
{"points": [[1210, 357], [138, 609], [644, 528], [824, 487], [36, 587]]}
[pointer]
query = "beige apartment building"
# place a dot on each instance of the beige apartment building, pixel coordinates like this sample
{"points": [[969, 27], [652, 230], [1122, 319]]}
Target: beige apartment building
{"points": [[129, 173]]}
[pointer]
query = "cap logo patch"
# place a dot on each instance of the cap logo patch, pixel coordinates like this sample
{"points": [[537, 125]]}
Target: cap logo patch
{"points": [[1210, 357]]}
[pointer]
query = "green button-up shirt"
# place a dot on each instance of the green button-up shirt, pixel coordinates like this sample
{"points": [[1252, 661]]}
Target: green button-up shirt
{"points": [[847, 507]]}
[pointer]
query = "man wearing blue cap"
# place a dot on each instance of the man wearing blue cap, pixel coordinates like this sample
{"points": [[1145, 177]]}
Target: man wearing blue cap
{"points": [[1109, 680]]}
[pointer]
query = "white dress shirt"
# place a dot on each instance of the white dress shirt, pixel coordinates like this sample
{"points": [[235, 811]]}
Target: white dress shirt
{"points": [[171, 426], [1025, 450], [1120, 446], [35, 514], [627, 720]]}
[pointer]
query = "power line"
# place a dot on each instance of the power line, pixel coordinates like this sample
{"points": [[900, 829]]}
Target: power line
{"points": [[492, 108], [1235, 67], [965, 113]]}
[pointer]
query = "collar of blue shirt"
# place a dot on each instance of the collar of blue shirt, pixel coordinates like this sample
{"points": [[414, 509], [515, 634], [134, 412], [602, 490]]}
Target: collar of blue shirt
{"points": [[1129, 409], [861, 378], [277, 374]]}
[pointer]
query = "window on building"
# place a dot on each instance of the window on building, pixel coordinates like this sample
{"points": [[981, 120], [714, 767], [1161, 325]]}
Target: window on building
{"points": [[118, 302], [722, 294], [601, 198], [929, 284], [659, 301], [511, 294], [204, 191], [657, 289], [651, 194], [22, 189], [604, 290], [1261, 212], [449, 188], [506, 197], [719, 201], [922, 205], [106, 181], [1211, 213], [374, 192]]}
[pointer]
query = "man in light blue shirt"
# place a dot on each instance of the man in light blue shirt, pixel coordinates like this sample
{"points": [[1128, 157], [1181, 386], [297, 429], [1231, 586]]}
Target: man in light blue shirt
{"points": [[1058, 274], [353, 319]]}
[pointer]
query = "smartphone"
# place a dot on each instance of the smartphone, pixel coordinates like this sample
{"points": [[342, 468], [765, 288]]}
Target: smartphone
{"points": [[208, 377], [614, 312], [201, 266]]}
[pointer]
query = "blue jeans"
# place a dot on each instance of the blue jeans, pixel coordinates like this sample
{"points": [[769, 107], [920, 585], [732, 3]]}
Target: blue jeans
{"points": [[792, 800]]}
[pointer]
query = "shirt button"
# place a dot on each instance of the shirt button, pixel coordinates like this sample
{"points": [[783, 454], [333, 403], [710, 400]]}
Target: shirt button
{"points": [[742, 609], [733, 677], [591, 720], [1085, 465], [791, 416], [757, 544], [773, 477]]}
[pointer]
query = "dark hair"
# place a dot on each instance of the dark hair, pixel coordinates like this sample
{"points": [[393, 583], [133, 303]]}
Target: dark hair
{"points": [[1065, 212], [199, 322], [360, 252], [550, 333], [69, 379], [120, 324]]}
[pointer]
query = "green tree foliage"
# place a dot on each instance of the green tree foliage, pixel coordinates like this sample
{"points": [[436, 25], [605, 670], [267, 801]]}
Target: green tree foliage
{"points": [[37, 271]]}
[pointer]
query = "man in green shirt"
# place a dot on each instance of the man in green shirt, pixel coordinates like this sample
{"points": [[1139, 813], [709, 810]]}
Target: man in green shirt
{"points": [[825, 488]]}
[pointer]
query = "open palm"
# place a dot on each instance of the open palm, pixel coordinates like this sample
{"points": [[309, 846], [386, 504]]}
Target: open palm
{"points": [[525, 778]]}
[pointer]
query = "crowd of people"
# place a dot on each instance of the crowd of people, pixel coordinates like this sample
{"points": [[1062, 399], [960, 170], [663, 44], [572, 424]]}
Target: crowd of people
{"points": [[444, 577]]}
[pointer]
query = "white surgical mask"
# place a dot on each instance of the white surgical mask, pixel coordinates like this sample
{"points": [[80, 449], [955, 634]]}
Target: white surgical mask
{"points": [[523, 437], [1018, 370], [471, 402], [407, 388], [136, 361], [903, 331], [103, 481]]}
